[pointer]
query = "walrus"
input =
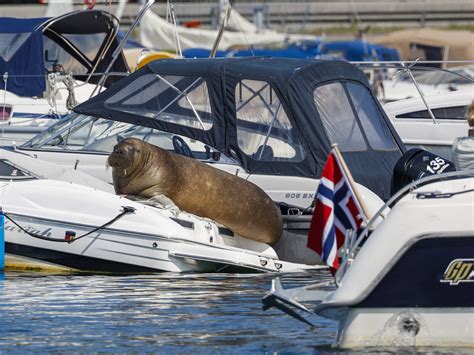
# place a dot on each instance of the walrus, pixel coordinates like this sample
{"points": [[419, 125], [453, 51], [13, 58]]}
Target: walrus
{"points": [[142, 169]]}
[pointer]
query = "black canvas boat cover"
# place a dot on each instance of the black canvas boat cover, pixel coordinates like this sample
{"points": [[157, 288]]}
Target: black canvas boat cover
{"points": [[273, 115]]}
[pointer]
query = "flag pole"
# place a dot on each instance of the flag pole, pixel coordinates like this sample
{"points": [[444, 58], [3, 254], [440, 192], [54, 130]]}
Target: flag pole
{"points": [[350, 180]]}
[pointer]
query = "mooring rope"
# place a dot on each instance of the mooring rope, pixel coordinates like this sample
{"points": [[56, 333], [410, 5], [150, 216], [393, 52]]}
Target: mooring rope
{"points": [[126, 210]]}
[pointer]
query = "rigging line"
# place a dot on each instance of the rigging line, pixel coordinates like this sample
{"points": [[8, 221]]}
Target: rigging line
{"points": [[5, 79], [220, 33], [119, 48], [356, 15], [245, 37], [176, 33], [91, 5]]}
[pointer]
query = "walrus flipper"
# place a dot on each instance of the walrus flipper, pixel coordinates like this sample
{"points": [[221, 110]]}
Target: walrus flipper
{"points": [[165, 202], [160, 201]]}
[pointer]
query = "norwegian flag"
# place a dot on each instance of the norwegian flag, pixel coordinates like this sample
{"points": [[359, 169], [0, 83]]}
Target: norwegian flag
{"points": [[336, 210]]}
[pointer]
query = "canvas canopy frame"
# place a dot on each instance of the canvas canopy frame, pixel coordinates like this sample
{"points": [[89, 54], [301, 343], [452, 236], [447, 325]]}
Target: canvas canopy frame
{"points": [[287, 130], [83, 42]]}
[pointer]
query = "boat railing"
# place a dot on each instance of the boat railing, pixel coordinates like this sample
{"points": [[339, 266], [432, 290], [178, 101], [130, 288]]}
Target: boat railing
{"points": [[407, 67], [418, 61], [399, 67], [355, 241], [52, 79]]}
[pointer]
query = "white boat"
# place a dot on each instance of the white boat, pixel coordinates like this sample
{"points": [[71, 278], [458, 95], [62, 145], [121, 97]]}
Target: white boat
{"points": [[159, 33], [76, 221], [48, 65], [417, 128], [399, 80], [426, 105], [411, 282]]}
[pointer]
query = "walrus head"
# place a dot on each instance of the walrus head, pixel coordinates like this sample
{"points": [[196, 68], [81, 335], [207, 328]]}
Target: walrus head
{"points": [[125, 156], [137, 168]]}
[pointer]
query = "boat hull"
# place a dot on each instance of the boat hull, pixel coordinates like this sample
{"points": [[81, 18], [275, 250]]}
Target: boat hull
{"points": [[87, 229], [411, 282], [388, 327], [108, 251]]}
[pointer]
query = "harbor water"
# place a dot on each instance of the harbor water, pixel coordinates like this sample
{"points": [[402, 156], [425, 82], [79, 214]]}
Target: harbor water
{"points": [[169, 313]]}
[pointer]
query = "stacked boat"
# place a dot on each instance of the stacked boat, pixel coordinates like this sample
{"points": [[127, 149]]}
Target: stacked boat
{"points": [[405, 279], [188, 98]]}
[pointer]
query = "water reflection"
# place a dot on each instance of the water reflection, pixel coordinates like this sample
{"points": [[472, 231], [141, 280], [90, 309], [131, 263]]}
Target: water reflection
{"points": [[165, 312], [158, 313]]}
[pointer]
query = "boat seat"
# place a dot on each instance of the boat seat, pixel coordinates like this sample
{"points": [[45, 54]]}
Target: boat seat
{"points": [[264, 152]]}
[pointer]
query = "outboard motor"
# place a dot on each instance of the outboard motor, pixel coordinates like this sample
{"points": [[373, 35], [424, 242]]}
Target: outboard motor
{"points": [[417, 163]]}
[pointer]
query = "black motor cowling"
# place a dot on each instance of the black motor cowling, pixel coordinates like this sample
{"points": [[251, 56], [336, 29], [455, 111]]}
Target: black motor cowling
{"points": [[417, 163]]}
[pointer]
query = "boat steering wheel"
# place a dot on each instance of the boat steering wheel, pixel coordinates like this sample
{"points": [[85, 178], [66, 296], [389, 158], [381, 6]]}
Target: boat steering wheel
{"points": [[181, 147]]}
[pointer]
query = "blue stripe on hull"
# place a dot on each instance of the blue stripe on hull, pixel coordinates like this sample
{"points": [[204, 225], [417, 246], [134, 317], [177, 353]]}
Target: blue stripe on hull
{"points": [[418, 278]]}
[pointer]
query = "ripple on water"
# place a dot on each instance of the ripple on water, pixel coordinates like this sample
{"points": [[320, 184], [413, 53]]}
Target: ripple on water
{"points": [[154, 312], [175, 312]]}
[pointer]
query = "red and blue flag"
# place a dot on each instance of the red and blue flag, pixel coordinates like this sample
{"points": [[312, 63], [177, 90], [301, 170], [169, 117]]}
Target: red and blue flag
{"points": [[336, 211]]}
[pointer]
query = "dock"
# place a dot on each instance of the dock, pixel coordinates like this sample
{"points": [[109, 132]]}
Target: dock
{"points": [[16, 263]]}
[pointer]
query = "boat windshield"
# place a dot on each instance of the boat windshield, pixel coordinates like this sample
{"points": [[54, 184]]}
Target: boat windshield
{"points": [[462, 76], [85, 133]]}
